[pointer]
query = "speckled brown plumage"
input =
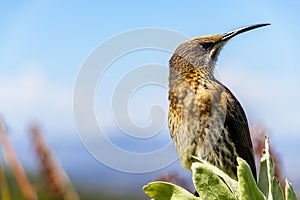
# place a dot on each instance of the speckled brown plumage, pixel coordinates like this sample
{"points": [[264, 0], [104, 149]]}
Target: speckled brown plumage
{"points": [[205, 118]]}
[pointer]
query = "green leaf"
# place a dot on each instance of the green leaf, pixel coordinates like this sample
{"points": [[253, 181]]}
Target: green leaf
{"points": [[266, 181], [289, 191], [277, 191], [167, 191], [248, 187], [263, 182], [230, 182], [208, 184], [270, 168]]}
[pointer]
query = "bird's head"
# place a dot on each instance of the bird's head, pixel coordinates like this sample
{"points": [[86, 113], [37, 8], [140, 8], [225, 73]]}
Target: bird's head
{"points": [[202, 52]]}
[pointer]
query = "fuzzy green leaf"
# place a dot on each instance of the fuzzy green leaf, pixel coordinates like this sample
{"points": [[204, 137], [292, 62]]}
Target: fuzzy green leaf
{"points": [[289, 191], [270, 168], [208, 184], [266, 181], [263, 182], [277, 191], [248, 187], [167, 191], [231, 183]]}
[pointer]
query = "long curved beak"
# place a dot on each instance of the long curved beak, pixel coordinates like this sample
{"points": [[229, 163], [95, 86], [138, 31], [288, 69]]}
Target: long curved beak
{"points": [[235, 32]]}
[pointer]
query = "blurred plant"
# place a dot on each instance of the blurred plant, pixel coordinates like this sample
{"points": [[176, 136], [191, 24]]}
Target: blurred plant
{"points": [[212, 183], [56, 178], [15, 164], [3, 183]]}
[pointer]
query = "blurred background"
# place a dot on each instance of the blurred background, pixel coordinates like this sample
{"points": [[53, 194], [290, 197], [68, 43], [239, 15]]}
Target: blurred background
{"points": [[44, 44]]}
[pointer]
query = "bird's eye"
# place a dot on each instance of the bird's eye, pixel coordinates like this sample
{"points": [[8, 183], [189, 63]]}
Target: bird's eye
{"points": [[207, 45]]}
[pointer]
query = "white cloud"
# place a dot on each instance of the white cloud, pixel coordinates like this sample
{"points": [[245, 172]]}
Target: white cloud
{"points": [[28, 95]]}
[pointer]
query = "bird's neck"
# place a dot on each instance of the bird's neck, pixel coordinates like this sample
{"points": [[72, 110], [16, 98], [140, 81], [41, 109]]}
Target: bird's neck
{"points": [[198, 69], [206, 72]]}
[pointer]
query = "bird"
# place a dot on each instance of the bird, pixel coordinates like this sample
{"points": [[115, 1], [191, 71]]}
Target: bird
{"points": [[205, 119]]}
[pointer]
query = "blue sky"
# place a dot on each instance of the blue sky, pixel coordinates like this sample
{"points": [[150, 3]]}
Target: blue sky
{"points": [[47, 42], [44, 43]]}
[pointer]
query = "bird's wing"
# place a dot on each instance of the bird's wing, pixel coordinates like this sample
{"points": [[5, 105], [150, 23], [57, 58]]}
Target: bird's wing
{"points": [[237, 126]]}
